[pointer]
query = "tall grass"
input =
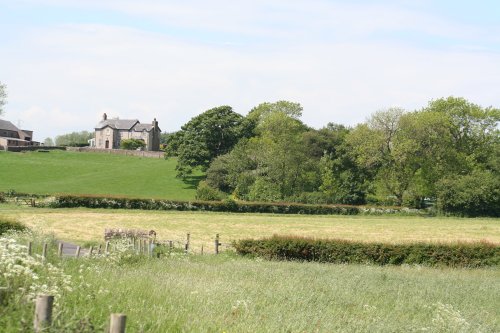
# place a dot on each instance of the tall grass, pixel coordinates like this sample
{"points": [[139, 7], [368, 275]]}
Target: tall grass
{"points": [[227, 293]]}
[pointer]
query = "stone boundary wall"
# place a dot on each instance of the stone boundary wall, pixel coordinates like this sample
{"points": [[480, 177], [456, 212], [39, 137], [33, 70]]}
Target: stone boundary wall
{"points": [[18, 149], [149, 154]]}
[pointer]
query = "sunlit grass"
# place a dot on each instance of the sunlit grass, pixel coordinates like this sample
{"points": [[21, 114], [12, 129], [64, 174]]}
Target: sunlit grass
{"points": [[93, 173], [227, 294], [83, 225]]}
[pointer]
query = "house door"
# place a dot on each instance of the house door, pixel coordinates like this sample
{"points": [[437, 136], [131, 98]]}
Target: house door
{"points": [[107, 144]]}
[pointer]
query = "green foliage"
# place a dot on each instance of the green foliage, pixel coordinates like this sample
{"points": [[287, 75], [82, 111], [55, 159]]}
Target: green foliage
{"points": [[207, 193], [132, 144], [74, 139], [10, 225], [88, 201], [477, 194], [274, 164], [469, 255], [204, 137]]}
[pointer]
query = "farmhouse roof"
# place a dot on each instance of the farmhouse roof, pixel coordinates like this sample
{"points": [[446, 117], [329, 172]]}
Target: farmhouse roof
{"points": [[7, 125], [142, 127], [119, 124]]}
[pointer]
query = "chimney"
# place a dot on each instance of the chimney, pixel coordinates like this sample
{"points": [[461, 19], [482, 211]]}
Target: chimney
{"points": [[155, 124], [104, 116]]}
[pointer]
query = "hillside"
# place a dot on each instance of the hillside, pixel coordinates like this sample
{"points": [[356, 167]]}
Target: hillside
{"points": [[93, 173]]}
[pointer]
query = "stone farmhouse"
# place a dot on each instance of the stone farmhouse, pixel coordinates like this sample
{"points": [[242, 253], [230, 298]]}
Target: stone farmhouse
{"points": [[11, 136], [110, 132]]}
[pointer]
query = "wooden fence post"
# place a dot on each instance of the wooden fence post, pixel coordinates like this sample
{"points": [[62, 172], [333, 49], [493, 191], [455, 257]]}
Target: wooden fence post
{"points": [[91, 250], [44, 251], [188, 236], [43, 312], [106, 249], [117, 323], [99, 249], [30, 246], [201, 249], [60, 250], [77, 254], [217, 244]]}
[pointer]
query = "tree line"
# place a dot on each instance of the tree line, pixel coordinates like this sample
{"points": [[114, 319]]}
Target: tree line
{"points": [[446, 153]]}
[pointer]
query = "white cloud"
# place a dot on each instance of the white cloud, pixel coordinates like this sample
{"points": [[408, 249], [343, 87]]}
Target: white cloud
{"points": [[73, 73]]}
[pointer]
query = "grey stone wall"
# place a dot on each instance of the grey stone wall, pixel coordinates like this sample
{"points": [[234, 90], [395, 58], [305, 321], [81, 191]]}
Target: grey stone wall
{"points": [[149, 154]]}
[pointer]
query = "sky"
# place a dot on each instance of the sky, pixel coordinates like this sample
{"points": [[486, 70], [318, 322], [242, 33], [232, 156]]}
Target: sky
{"points": [[66, 62]]}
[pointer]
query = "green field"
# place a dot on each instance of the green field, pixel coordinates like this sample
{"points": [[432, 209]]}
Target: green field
{"points": [[93, 173]]}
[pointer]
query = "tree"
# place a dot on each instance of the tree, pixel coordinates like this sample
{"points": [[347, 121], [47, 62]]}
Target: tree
{"points": [[3, 97], [272, 165], [48, 142], [204, 137], [475, 194], [132, 144], [376, 146], [74, 139], [342, 179]]}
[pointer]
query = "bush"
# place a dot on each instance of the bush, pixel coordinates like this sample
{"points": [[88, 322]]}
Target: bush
{"points": [[132, 144], [342, 251], [208, 193], [10, 225]]}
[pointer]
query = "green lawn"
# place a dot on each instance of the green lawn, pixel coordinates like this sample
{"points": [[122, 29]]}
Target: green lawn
{"points": [[93, 173]]}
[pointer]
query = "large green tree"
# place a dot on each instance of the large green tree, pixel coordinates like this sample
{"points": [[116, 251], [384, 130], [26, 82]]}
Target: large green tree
{"points": [[204, 137]]}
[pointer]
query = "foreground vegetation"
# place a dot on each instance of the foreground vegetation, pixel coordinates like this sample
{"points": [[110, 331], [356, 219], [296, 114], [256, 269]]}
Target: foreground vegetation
{"points": [[467, 255], [92, 173], [225, 293], [87, 225]]}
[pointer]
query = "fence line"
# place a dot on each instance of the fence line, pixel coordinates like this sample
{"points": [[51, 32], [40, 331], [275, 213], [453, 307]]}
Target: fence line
{"points": [[139, 246]]}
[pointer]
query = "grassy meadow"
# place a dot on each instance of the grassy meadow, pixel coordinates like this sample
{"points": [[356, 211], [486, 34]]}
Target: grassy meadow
{"points": [[231, 294], [82, 225], [93, 173]]}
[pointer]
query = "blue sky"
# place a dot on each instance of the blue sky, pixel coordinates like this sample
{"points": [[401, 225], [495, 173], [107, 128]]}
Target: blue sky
{"points": [[65, 62]]}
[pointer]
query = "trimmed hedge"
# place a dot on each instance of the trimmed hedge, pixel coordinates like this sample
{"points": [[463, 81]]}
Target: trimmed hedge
{"points": [[341, 251], [68, 201]]}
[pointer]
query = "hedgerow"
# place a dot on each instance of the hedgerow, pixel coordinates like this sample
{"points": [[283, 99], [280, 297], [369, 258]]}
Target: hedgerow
{"points": [[67, 201], [10, 225], [342, 251]]}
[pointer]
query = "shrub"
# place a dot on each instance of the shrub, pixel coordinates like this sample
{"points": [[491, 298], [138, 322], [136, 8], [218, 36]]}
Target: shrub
{"points": [[8, 225], [208, 193], [132, 144], [342, 251]]}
